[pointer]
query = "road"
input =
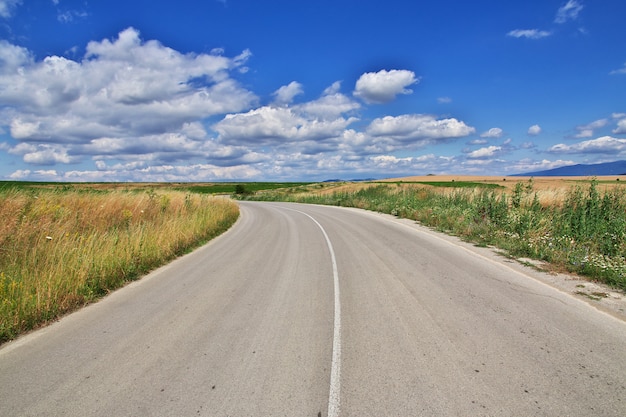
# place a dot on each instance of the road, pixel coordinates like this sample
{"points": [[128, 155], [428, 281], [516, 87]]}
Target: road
{"points": [[305, 310]]}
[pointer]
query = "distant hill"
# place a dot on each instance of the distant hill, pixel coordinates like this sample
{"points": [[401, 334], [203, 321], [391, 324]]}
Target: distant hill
{"points": [[608, 168]]}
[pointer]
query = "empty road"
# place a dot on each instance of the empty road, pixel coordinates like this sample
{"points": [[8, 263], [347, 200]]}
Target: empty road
{"points": [[303, 310]]}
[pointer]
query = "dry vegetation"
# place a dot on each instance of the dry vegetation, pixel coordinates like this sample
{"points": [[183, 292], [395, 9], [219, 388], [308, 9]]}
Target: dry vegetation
{"points": [[60, 249]]}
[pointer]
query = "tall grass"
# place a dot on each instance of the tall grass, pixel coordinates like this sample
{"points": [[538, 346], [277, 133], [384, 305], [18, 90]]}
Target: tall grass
{"points": [[582, 230], [62, 249]]}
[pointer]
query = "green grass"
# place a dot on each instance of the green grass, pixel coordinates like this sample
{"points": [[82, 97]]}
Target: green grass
{"points": [[200, 188], [249, 187]]}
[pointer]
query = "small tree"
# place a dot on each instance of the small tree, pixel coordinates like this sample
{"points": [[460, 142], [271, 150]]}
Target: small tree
{"points": [[240, 189]]}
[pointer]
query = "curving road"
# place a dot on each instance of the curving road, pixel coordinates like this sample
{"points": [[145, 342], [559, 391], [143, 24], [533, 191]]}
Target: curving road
{"points": [[320, 311]]}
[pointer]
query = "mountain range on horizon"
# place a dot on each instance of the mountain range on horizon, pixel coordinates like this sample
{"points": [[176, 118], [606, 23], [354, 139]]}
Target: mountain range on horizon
{"points": [[607, 168]]}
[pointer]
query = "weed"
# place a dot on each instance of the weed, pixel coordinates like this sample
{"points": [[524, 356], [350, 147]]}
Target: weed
{"points": [[62, 248]]}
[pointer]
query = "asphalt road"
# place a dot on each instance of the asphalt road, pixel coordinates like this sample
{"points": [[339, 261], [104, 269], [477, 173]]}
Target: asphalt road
{"points": [[321, 311]]}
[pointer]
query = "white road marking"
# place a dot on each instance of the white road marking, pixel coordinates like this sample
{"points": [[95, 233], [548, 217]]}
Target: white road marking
{"points": [[334, 399]]}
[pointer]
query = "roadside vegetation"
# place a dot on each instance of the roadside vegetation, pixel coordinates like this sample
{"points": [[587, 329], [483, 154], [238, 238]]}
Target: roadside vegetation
{"points": [[62, 246], [581, 229]]}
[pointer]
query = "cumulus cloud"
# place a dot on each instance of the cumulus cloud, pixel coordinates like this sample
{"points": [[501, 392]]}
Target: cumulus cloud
{"points": [[384, 86], [604, 145], [494, 132], [534, 130], [488, 152], [415, 130], [428, 163], [140, 111], [12, 57], [569, 11], [124, 90], [273, 126], [330, 105], [529, 33], [285, 94]]}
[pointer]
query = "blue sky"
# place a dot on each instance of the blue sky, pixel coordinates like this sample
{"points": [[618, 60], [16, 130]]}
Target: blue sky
{"points": [[218, 90]]}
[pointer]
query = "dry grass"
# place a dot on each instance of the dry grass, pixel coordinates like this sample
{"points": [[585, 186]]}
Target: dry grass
{"points": [[60, 250], [550, 191], [540, 183]]}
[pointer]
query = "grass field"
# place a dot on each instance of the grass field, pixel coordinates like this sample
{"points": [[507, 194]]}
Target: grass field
{"points": [[62, 246], [577, 224]]}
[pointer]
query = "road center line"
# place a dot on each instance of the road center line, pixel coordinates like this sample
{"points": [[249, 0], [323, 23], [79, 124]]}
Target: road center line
{"points": [[335, 370]]}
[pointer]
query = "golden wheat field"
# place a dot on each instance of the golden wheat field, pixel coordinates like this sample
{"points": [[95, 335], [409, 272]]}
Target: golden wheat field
{"points": [[540, 183], [550, 190]]}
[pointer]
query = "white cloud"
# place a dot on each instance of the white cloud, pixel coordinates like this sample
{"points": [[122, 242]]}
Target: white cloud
{"points": [[273, 126], [584, 133], [414, 130], [587, 131], [444, 100], [384, 86], [285, 94], [123, 89], [21, 129], [68, 16], [48, 155], [569, 11], [393, 165], [534, 130], [529, 33], [7, 7], [334, 88], [478, 142], [166, 173], [140, 111], [20, 174], [529, 165], [621, 127], [330, 105], [488, 152], [389, 161], [13, 57], [494, 132], [619, 71], [603, 145]]}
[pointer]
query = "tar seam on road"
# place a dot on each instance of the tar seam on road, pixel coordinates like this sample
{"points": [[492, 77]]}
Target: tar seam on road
{"points": [[335, 370]]}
